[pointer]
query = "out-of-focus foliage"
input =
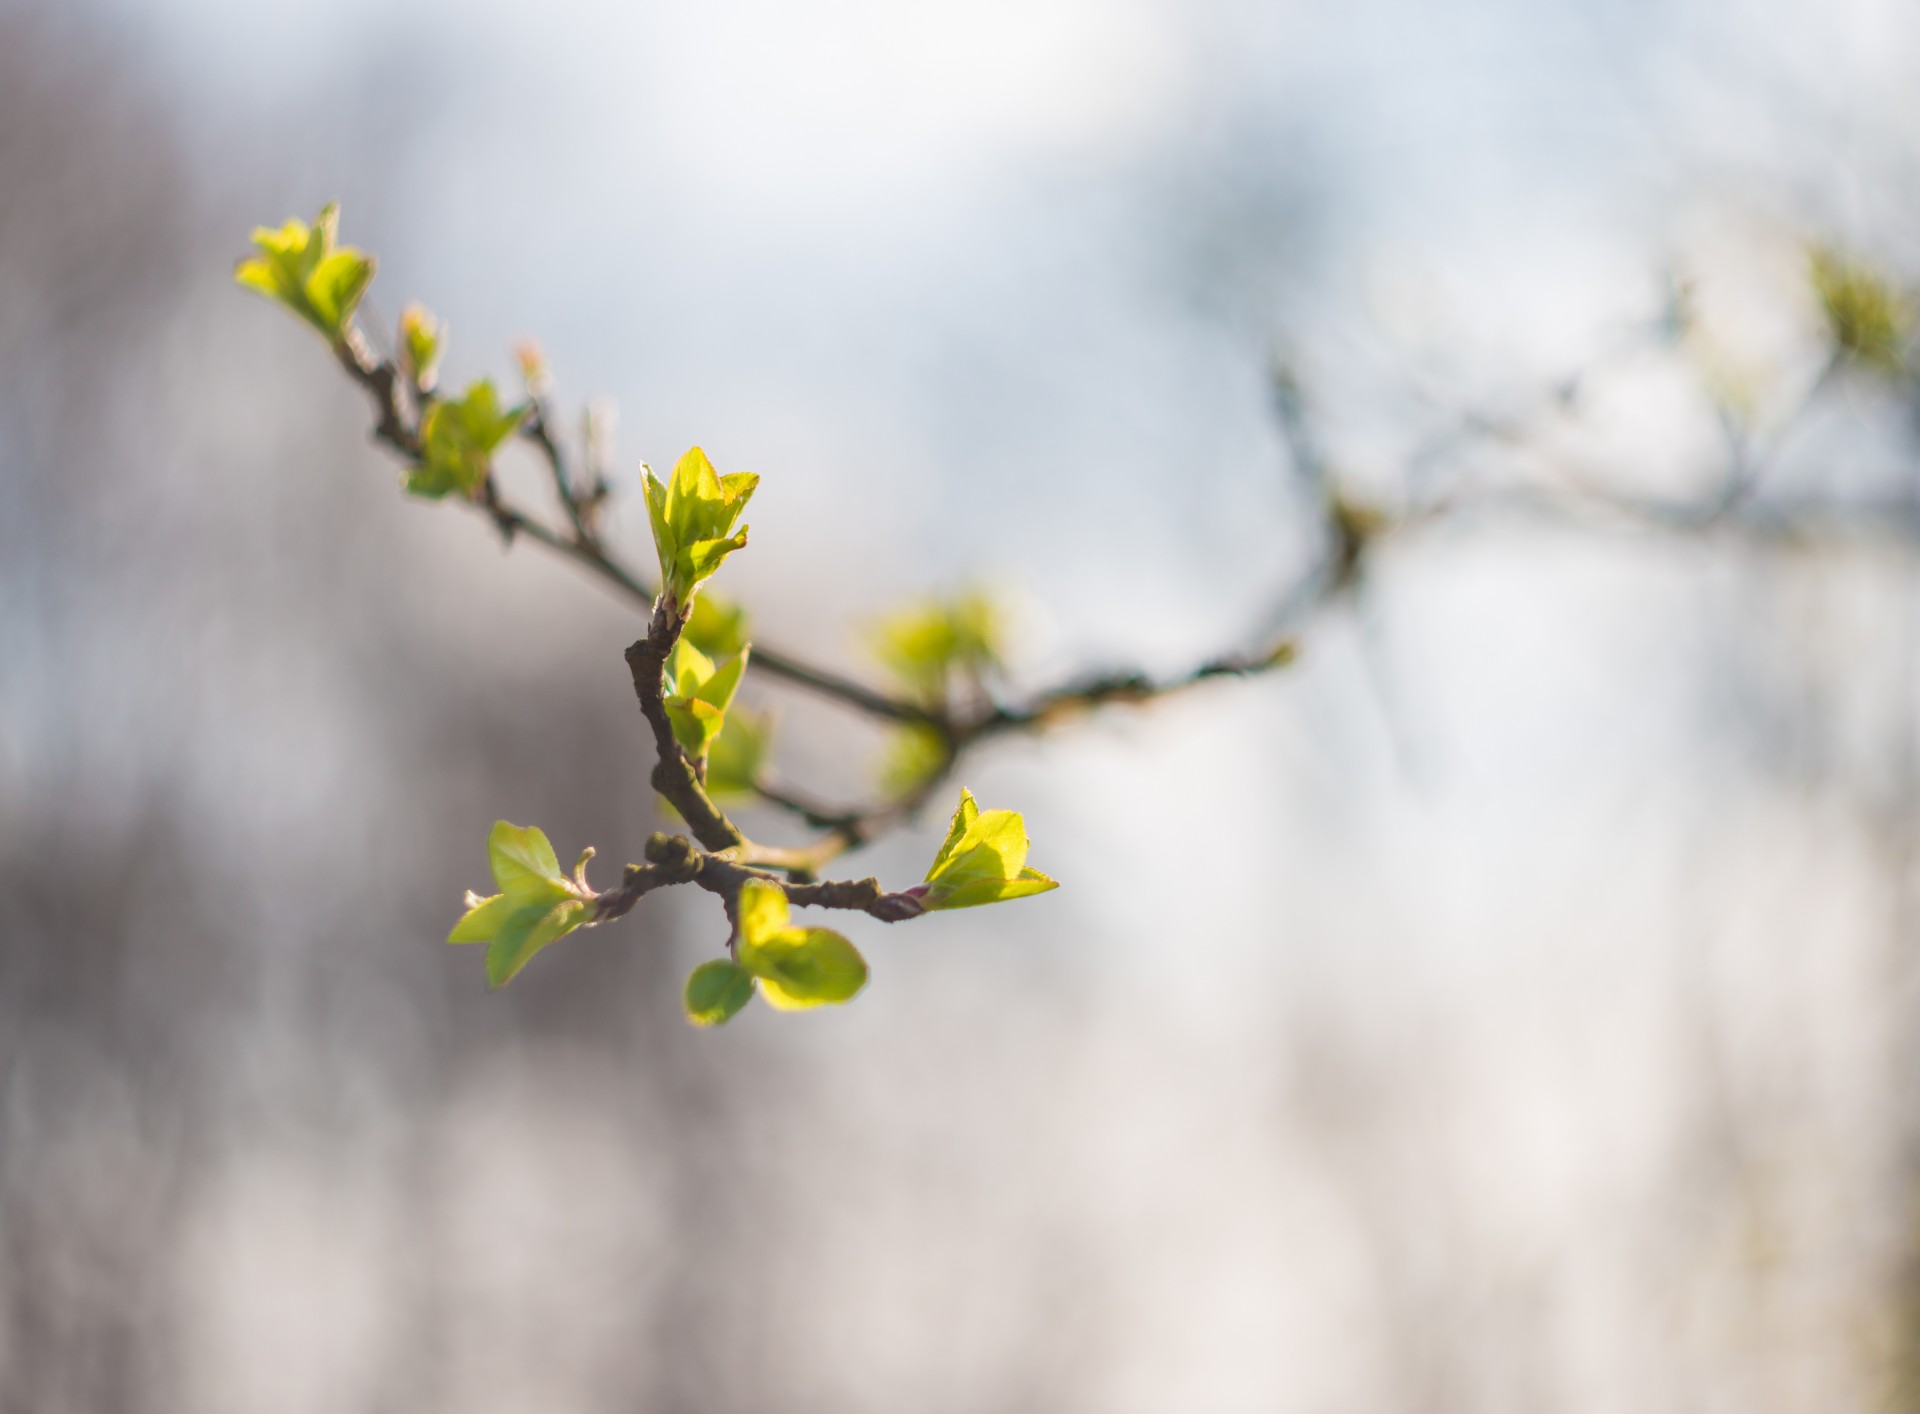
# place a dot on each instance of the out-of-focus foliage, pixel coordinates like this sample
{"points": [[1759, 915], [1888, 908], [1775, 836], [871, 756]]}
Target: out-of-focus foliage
{"points": [[925, 644], [536, 374], [423, 343], [717, 626], [300, 267], [458, 439], [737, 757], [1867, 317], [914, 753]]}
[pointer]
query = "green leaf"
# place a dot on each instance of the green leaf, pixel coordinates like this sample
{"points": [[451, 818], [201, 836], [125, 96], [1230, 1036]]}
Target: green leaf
{"points": [[536, 905], [737, 757], [693, 515], [299, 266], [808, 967], [695, 724], [703, 557], [336, 286], [687, 668], [458, 438], [423, 341], [982, 860], [717, 627], [914, 753], [761, 911], [716, 991], [796, 968], [1867, 318], [522, 859], [484, 917], [724, 681], [697, 695], [964, 814], [528, 932], [924, 644]]}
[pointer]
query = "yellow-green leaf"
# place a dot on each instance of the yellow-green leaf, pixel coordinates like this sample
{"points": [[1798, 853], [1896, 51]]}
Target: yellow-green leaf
{"points": [[807, 967], [964, 814], [914, 752], [924, 644], [724, 681], [536, 905], [484, 917], [796, 968], [687, 668], [336, 286], [527, 932], [716, 991], [717, 626], [761, 911], [522, 859], [982, 860], [300, 267], [698, 694], [458, 438], [693, 515], [695, 724], [738, 755]]}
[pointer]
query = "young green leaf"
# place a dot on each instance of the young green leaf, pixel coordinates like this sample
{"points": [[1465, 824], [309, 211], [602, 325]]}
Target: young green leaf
{"points": [[299, 266], [796, 968], [693, 515], [458, 438], [924, 644], [914, 753], [802, 968], [737, 757], [793, 968], [716, 991], [717, 626], [983, 860], [536, 905], [698, 694], [423, 340]]}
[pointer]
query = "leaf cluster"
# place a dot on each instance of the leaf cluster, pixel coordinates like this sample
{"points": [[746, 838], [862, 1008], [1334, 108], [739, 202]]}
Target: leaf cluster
{"points": [[693, 514], [792, 968], [536, 905], [1867, 318], [698, 695], [458, 439], [301, 267], [927, 645]]}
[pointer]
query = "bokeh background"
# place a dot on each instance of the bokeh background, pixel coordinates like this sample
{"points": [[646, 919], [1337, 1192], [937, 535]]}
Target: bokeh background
{"points": [[1508, 1008]]}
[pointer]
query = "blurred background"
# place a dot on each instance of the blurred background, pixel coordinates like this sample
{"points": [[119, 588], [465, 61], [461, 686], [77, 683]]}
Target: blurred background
{"points": [[1509, 1007]]}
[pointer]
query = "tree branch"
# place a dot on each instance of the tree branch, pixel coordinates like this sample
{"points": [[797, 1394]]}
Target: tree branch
{"points": [[1349, 531], [673, 775], [674, 859]]}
